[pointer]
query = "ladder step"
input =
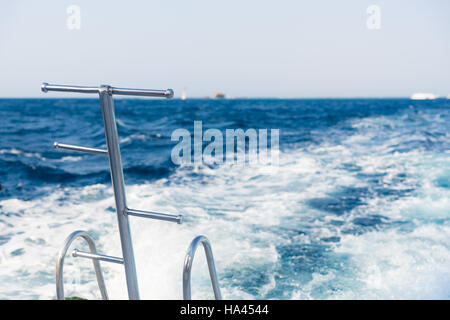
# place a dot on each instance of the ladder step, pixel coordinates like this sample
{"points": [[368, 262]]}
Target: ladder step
{"points": [[168, 93], [155, 215], [58, 145], [96, 256]]}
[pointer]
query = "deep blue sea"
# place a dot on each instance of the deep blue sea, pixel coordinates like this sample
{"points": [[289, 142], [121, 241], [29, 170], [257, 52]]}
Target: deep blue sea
{"points": [[358, 207]]}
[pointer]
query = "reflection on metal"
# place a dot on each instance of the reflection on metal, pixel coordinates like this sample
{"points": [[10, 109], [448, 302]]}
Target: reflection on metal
{"points": [[60, 264], [168, 93], [96, 256], [115, 164], [188, 267], [58, 145], [155, 215]]}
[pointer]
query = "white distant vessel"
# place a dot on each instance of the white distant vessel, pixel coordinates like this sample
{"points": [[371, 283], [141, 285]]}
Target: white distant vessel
{"points": [[219, 95], [424, 96], [183, 94]]}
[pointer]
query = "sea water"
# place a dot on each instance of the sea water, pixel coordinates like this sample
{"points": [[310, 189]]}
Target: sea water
{"points": [[358, 206]]}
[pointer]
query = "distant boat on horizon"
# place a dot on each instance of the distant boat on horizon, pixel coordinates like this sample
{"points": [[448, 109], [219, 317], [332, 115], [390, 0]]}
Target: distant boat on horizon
{"points": [[183, 94], [219, 95], [424, 96]]}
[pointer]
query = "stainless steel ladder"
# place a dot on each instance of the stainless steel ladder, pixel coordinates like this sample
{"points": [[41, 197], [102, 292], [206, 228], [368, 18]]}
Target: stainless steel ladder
{"points": [[106, 93]]}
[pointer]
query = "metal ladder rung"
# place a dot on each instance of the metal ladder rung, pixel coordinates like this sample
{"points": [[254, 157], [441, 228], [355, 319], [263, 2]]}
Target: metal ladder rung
{"points": [[96, 256], [58, 145], [155, 215], [168, 93]]}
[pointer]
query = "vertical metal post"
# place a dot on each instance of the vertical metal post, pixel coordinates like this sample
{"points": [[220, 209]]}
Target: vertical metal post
{"points": [[115, 162]]}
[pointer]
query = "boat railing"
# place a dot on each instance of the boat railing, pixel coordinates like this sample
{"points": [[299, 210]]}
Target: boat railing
{"points": [[93, 252], [188, 261]]}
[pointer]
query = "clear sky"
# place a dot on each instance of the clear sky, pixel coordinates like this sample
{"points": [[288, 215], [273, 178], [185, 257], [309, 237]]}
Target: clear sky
{"points": [[245, 48]]}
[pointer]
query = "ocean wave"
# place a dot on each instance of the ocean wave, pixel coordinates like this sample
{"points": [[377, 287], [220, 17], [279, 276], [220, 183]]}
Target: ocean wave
{"points": [[359, 211], [17, 152], [268, 239]]}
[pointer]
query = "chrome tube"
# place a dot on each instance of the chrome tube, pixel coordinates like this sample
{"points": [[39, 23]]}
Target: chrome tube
{"points": [[58, 145], [168, 93], [143, 92], [60, 264], [96, 256], [188, 267], [64, 88], [115, 163], [155, 215]]}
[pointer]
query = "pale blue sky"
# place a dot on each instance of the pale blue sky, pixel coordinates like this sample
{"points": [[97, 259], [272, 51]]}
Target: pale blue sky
{"points": [[246, 48]]}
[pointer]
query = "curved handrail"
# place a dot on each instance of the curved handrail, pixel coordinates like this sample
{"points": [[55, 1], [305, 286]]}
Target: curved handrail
{"points": [[188, 267], [60, 264]]}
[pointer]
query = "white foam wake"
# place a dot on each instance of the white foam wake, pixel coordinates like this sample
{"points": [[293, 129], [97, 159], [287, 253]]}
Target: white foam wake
{"points": [[250, 215]]}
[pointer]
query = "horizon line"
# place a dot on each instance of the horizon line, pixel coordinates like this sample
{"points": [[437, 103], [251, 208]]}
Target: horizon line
{"points": [[236, 98]]}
